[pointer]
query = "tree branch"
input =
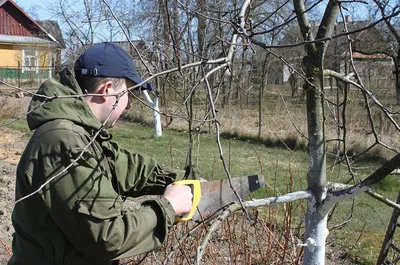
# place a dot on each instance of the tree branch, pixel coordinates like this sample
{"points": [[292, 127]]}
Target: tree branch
{"points": [[362, 186]]}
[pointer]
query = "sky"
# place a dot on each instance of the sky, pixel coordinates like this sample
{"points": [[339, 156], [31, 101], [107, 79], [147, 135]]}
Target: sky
{"points": [[35, 6], [40, 8]]}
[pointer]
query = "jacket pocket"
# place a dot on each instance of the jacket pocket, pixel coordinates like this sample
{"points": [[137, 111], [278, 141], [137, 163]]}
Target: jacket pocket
{"points": [[101, 208]]}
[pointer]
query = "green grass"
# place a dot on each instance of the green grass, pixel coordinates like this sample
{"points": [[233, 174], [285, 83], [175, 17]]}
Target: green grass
{"points": [[241, 157], [19, 125]]}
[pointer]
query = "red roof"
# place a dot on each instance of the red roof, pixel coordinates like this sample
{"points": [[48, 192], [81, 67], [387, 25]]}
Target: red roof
{"points": [[16, 22]]}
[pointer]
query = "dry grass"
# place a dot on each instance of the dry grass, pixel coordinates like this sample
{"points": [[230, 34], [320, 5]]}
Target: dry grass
{"points": [[7, 108], [273, 239], [284, 123]]}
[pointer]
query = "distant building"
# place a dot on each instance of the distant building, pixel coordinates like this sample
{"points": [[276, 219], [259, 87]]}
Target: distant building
{"points": [[368, 53], [30, 51]]}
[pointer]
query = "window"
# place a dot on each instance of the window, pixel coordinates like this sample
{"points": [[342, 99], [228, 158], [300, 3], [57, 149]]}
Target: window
{"points": [[30, 60]]}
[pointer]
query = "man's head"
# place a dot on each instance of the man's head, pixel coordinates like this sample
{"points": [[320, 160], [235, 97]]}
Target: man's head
{"points": [[107, 69]]}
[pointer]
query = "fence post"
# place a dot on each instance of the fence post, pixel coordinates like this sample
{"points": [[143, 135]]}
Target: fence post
{"points": [[19, 74]]}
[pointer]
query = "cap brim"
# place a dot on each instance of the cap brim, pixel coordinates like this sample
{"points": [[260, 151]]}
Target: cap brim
{"points": [[139, 80]]}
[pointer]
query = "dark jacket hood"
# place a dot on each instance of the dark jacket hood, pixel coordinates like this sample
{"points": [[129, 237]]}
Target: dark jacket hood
{"points": [[54, 104]]}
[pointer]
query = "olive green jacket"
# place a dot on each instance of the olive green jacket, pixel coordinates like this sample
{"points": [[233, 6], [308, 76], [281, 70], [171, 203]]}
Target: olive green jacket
{"points": [[78, 217]]}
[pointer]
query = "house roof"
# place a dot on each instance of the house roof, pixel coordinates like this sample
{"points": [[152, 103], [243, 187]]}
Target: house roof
{"points": [[368, 41], [23, 39], [46, 31], [52, 27]]}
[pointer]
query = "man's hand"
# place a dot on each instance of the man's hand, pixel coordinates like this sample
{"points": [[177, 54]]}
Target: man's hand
{"points": [[180, 197]]}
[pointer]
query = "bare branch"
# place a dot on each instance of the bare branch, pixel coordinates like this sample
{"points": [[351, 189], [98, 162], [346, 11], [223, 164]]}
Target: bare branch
{"points": [[362, 186], [290, 197]]}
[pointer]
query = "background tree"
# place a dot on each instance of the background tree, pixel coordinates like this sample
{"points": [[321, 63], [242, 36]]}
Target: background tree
{"points": [[385, 9]]}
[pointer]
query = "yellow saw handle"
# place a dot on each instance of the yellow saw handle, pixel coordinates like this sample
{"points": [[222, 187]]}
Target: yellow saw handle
{"points": [[196, 191]]}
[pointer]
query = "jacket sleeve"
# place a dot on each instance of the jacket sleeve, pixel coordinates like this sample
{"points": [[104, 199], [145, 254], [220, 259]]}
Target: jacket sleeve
{"points": [[138, 174], [86, 208]]}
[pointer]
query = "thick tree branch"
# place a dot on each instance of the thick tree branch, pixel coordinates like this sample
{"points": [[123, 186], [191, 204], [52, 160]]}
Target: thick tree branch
{"points": [[362, 186], [341, 186]]}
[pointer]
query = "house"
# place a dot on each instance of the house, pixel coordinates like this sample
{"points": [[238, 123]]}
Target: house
{"points": [[30, 51]]}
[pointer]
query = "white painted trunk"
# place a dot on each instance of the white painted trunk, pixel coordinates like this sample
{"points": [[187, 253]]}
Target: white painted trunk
{"points": [[156, 113], [315, 237], [157, 118]]}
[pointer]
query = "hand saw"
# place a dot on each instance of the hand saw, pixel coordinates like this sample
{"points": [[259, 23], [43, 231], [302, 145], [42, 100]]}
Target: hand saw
{"points": [[210, 196]]}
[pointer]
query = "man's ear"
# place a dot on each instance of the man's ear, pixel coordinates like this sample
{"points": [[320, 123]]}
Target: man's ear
{"points": [[105, 89]]}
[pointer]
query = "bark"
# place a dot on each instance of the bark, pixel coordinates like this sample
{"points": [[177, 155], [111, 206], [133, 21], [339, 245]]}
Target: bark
{"points": [[396, 75], [201, 28], [176, 35], [156, 113], [165, 29], [264, 76], [387, 242], [313, 62]]}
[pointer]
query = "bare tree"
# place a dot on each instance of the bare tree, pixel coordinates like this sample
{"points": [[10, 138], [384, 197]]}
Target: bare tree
{"points": [[387, 8]]}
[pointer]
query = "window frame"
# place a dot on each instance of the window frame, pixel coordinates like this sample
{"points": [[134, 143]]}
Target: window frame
{"points": [[35, 58]]}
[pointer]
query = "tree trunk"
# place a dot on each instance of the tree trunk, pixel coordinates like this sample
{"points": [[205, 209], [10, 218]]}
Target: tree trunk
{"points": [[201, 27], [316, 225], [165, 30], [396, 75], [175, 34], [316, 217], [263, 82], [156, 113]]}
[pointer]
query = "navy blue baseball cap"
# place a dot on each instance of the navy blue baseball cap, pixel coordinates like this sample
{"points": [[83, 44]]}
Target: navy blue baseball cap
{"points": [[109, 60]]}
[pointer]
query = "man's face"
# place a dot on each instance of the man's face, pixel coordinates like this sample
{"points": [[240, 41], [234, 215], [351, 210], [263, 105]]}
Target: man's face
{"points": [[122, 104]]}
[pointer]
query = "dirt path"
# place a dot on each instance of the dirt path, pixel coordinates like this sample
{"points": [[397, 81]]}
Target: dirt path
{"points": [[11, 146]]}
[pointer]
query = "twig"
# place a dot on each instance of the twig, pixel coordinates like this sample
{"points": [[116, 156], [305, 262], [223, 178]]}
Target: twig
{"points": [[9, 253], [190, 233], [299, 195], [127, 36], [22, 117], [291, 120]]}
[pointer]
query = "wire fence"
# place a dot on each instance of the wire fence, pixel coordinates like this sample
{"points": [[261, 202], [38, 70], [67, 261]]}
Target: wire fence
{"points": [[26, 76]]}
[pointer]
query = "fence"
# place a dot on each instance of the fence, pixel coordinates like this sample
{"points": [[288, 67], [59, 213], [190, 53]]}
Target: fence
{"points": [[25, 76], [372, 83]]}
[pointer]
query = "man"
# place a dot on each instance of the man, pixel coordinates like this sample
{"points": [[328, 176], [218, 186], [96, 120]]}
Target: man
{"points": [[78, 218]]}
